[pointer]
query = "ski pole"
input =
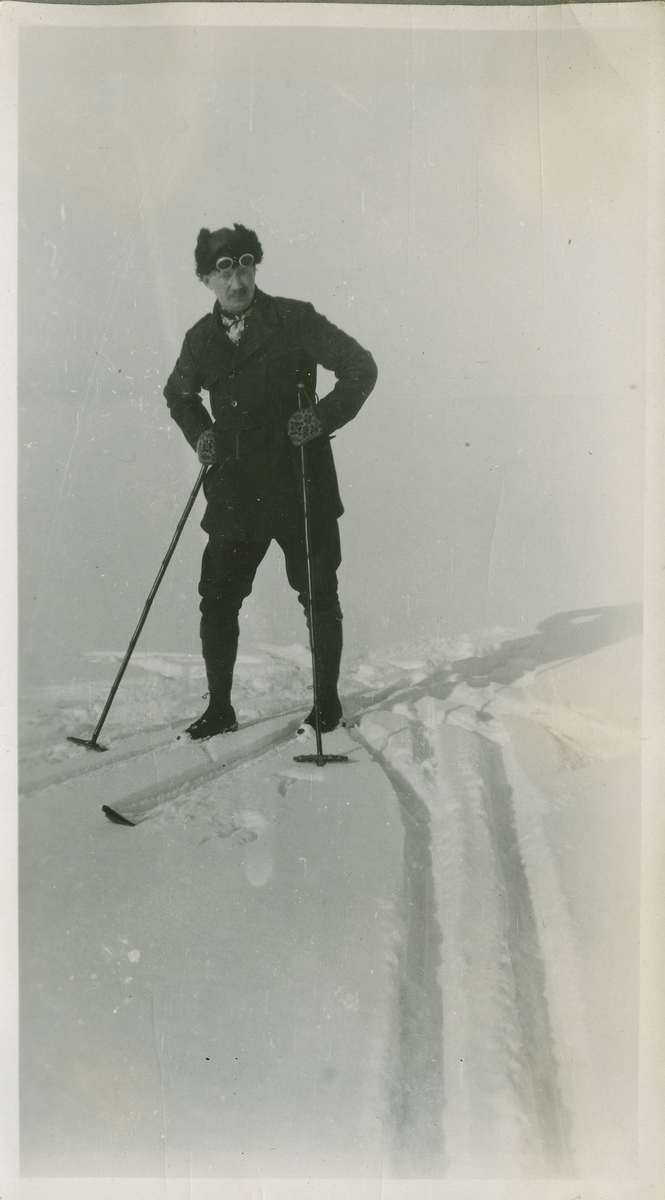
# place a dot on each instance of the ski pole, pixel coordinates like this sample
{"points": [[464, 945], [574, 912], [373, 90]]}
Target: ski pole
{"points": [[319, 758], [91, 743]]}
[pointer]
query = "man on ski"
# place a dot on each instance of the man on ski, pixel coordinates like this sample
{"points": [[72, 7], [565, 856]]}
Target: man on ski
{"points": [[250, 353]]}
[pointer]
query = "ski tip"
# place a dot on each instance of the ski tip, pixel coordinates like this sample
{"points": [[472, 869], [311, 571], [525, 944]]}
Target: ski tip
{"points": [[115, 817]]}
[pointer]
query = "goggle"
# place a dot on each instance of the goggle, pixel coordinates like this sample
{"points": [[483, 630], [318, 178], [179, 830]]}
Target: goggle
{"points": [[226, 264]]}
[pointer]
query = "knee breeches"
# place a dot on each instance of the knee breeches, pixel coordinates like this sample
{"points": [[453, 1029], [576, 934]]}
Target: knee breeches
{"points": [[227, 576], [229, 568]]}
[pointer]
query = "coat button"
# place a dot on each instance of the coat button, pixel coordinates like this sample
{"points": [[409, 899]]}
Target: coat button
{"points": [[234, 404]]}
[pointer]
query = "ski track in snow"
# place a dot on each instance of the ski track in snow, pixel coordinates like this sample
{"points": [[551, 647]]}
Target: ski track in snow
{"points": [[520, 1096], [490, 1076], [502, 1113]]}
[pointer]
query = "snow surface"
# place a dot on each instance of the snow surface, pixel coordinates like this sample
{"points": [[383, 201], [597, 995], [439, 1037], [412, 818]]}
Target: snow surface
{"points": [[421, 964]]}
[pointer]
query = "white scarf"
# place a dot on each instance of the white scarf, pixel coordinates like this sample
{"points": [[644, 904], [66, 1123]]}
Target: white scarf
{"points": [[235, 326]]}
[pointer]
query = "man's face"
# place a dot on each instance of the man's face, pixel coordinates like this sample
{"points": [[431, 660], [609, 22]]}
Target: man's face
{"points": [[234, 288]]}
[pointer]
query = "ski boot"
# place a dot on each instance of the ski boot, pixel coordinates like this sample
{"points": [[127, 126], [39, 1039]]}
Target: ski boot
{"points": [[330, 712], [214, 720]]}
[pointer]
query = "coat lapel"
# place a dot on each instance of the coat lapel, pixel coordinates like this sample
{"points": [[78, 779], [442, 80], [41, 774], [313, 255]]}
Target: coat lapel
{"points": [[262, 324], [216, 341]]}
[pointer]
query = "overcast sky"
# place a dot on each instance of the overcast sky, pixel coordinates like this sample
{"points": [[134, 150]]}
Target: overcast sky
{"points": [[470, 205]]}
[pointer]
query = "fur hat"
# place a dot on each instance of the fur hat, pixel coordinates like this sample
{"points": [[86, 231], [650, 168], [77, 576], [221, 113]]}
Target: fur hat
{"points": [[234, 242]]}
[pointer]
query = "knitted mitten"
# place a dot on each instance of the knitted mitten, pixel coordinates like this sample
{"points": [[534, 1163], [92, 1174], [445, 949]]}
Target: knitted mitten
{"points": [[303, 427], [206, 447]]}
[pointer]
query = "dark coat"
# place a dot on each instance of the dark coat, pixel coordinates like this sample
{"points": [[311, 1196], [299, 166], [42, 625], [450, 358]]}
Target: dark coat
{"points": [[254, 490]]}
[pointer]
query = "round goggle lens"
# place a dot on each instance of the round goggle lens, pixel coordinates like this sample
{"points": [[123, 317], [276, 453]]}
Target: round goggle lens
{"points": [[227, 264]]}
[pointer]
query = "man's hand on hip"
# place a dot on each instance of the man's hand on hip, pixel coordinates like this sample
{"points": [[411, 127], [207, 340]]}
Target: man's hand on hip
{"points": [[303, 427], [206, 448]]}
